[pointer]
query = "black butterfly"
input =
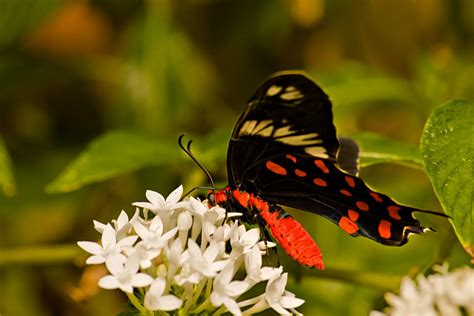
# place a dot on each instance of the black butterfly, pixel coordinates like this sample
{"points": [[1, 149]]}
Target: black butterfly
{"points": [[284, 151]]}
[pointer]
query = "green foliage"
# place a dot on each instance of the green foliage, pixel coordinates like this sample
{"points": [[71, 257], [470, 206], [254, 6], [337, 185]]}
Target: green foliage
{"points": [[7, 183], [447, 147], [112, 154], [18, 17], [375, 148]]}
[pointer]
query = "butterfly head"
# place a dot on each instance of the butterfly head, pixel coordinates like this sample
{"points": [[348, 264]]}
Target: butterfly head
{"points": [[217, 197]]}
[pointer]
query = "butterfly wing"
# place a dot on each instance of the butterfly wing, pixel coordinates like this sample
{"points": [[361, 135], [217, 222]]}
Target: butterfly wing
{"points": [[284, 149], [287, 110], [317, 185]]}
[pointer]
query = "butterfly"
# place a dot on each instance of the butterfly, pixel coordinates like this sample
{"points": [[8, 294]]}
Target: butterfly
{"points": [[284, 152]]}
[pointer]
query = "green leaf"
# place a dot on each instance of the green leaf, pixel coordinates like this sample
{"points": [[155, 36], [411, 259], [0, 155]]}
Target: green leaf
{"points": [[447, 147], [376, 149], [112, 154], [362, 91], [7, 183]]}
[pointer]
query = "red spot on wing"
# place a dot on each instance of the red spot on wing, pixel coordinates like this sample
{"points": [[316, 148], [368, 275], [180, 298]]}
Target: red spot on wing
{"points": [[293, 238], [300, 173], [321, 165], [362, 205], [291, 157], [320, 182], [376, 197], [350, 181], [348, 225], [353, 215], [276, 168], [241, 197], [384, 229], [393, 211], [345, 192]]}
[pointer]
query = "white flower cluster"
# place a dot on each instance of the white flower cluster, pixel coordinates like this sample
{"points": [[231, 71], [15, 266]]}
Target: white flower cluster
{"points": [[444, 293], [185, 256]]}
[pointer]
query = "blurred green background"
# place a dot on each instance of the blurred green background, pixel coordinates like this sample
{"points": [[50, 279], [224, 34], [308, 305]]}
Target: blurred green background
{"points": [[133, 73]]}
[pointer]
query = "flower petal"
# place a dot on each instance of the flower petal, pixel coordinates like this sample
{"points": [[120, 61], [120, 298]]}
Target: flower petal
{"points": [[109, 282], [98, 226], [127, 241], [108, 236], [175, 196], [216, 299], [185, 221], [291, 302], [141, 280], [91, 247], [155, 198], [141, 231], [231, 305], [169, 303], [278, 308], [95, 260]]}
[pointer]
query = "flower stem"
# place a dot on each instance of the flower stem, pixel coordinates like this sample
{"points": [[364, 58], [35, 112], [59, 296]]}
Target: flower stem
{"points": [[197, 294], [206, 304], [136, 303]]}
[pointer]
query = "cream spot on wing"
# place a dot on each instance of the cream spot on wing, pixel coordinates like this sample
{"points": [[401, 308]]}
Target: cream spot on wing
{"points": [[292, 95], [290, 88], [273, 90], [317, 151], [253, 127]]}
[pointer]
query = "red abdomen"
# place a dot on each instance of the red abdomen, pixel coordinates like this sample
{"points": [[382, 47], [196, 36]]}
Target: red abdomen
{"points": [[293, 238]]}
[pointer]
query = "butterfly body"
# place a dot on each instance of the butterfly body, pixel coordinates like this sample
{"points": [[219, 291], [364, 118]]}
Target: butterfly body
{"points": [[289, 233], [284, 151]]}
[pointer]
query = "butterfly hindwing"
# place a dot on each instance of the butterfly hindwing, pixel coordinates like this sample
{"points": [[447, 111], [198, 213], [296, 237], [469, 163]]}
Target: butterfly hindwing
{"points": [[317, 185]]}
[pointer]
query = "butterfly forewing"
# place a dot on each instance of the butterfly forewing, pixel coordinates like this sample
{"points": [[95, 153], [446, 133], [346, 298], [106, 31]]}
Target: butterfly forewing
{"points": [[287, 110]]}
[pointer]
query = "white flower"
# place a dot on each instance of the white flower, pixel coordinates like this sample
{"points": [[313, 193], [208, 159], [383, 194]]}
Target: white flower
{"points": [[411, 302], [124, 276], [185, 257], [255, 272], [158, 203], [278, 298], [275, 297], [204, 262], [145, 255], [225, 290], [156, 301], [122, 224], [153, 236], [243, 241], [110, 248], [443, 293]]}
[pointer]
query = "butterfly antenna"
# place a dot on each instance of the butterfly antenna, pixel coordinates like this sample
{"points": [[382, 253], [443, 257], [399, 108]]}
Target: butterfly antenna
{"points": [[187, 150]]}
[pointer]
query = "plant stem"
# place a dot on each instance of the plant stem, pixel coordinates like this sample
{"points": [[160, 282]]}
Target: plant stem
{"points": [[203, 306], [136, 303], [39, 254]]}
